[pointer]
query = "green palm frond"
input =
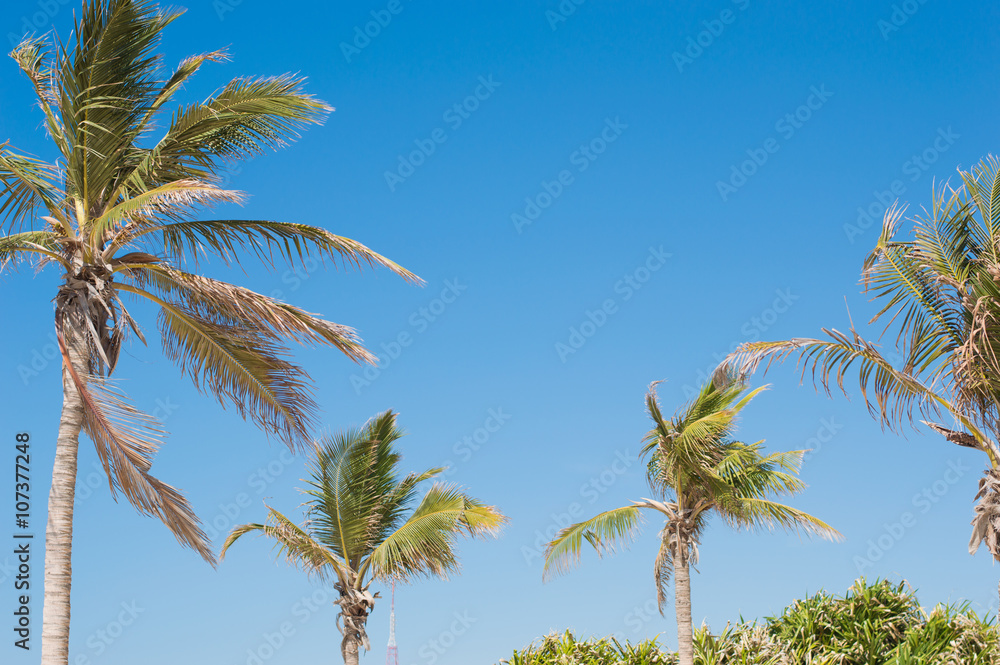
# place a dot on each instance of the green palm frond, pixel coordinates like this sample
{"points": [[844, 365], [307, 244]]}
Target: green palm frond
{"points": [[750, 473], [425, 543], [605, 532], [663, 569], [294, 545], [352, 476], [107, 81], [173, 199], [685, 449], [26, 185], [33, 57], [243, 120], [17, 247], [982, 183], [293, 243], [762, 514]]}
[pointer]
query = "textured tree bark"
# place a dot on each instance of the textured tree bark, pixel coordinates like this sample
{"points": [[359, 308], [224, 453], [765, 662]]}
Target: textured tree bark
{"points": [[682, 605], [349, 649], [59, 528]]}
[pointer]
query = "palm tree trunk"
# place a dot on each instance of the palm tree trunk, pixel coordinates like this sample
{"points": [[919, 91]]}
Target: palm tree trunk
{"points": [[682, 605], [349, 648], [59, 529]]}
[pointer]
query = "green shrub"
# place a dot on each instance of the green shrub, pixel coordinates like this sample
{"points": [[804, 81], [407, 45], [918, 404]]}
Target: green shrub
{"points": [[872, 624]]}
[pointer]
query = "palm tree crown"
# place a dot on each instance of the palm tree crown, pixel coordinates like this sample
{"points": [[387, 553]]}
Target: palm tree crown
{"points": [[941, 289], [364, 523], [119, 211], [695, 469]]}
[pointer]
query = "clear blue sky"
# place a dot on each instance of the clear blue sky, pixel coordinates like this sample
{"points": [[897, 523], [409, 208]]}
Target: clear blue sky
{"points": [[619, 127]]}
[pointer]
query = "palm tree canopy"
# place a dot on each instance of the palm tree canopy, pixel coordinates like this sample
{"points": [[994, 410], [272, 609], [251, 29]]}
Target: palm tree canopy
{"points": [[364, 520], [121, 206], [941, 292], [696, 469]]}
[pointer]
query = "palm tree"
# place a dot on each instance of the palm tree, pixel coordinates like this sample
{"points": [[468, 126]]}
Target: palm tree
{"points": [[357, 530], [695, 470], [942, 289], [119, 210]]}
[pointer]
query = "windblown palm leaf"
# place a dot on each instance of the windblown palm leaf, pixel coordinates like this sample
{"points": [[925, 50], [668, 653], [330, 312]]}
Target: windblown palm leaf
{"points": [[362, 525]]}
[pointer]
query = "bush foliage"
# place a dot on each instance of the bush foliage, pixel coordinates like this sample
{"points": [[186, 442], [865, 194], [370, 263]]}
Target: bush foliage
{"points": [[879, 623]]}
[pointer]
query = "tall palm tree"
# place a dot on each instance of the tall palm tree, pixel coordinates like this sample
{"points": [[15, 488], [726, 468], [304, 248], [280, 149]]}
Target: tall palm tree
{"points": [[695, 469], [357, 529], [119, 209], [941, 289]]}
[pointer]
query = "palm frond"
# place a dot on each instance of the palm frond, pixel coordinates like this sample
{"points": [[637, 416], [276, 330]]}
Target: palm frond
{"points": [[17, 247], [107, 81], [762, 514], [293, 544], [425, 543], [605, 532], [353, 487], [293, 243], [663, 569], [239, 366], [243, 120], [33, 57], [126, 440], [226, 304], [26, 185], [172, 199]]}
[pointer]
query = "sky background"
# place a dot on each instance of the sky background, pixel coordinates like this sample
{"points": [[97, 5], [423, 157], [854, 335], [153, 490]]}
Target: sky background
{"points": [[902, 103]]}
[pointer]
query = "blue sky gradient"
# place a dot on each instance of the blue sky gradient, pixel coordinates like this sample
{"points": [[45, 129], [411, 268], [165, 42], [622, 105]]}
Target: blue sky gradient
{"points": [[599, 195]]}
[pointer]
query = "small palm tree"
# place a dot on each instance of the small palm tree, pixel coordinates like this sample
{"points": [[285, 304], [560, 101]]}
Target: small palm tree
{"points": [[695, 470], [357, 529], [118, 209], [942, 290]]}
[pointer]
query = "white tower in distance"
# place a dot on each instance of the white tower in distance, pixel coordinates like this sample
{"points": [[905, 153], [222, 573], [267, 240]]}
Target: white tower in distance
{"points": [[391, 654]]}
